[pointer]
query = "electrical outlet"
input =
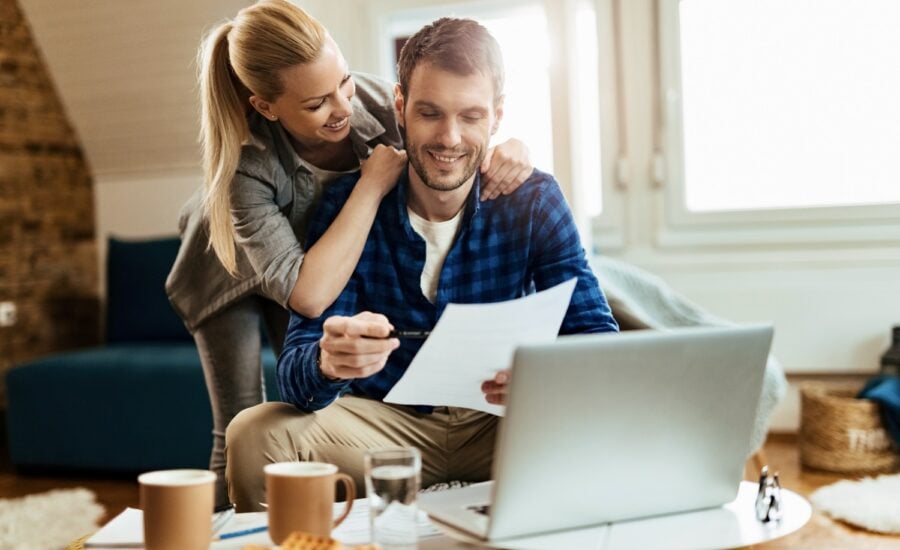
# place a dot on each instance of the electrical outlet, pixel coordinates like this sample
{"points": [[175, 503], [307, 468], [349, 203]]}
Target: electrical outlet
{"points": [[7, 314]]}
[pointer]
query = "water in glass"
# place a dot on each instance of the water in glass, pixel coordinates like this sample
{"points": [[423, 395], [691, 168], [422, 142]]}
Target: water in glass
{"points": [[392, 498]]}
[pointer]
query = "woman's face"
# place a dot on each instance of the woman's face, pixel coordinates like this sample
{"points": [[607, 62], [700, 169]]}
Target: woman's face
{"points": [[315, 106]]}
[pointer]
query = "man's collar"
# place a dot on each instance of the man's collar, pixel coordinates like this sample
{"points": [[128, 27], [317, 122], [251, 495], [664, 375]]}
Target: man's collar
{"points": [[472, 204]]}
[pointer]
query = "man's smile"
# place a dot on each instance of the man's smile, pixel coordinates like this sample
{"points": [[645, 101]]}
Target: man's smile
{"points": [[446, 160]]}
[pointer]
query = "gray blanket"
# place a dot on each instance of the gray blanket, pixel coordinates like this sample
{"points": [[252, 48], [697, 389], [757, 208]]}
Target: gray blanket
{"points": [[641, 300]]}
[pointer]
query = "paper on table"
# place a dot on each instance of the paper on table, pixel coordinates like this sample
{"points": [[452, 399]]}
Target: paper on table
{"points": [[355, 529], [124, 531], [471, 342], [127, 529]]}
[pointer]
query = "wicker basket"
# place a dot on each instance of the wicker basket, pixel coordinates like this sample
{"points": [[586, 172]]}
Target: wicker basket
{"points": [[840, 433]]}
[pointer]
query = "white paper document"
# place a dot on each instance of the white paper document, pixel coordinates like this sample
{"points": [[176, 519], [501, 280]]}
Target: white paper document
{"points": [[355, 529], [127, 529], [471, 342]]}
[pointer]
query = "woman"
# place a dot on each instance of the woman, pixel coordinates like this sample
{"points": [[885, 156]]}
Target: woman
{"points": [[281, 117]]}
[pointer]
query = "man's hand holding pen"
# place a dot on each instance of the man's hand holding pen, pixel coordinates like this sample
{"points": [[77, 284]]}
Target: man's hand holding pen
{"points": [[355, 347], [410, 334]]}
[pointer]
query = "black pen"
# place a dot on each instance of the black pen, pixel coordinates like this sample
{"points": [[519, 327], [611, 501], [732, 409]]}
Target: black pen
{"points": [[411, 334]]}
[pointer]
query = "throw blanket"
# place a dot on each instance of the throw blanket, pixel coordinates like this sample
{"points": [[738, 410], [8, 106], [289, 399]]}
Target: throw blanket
{"points": [[886, 390], [641, 300]]}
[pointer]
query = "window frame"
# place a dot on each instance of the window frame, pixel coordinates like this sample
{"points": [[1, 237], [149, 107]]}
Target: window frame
{"points": [[864, 225]]}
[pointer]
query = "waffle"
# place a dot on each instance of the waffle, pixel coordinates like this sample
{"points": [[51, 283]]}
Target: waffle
{"points": [[306, 541]]}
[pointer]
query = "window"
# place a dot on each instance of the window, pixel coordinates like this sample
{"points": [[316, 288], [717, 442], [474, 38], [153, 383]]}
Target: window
{"points": [[588, 164], [771, 117]]}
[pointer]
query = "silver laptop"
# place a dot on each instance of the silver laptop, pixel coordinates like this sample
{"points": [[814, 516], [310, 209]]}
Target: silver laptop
{"points": [[608, 427]]}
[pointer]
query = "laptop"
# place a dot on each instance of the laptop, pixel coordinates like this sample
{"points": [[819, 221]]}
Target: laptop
{"points": [[608, 427]]}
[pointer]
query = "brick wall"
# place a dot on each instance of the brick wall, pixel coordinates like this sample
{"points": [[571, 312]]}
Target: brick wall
{"points": [[48, 257]]}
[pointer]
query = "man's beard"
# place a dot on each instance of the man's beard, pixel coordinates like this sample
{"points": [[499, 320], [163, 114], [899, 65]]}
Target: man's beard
{"points": [[440, 182]]}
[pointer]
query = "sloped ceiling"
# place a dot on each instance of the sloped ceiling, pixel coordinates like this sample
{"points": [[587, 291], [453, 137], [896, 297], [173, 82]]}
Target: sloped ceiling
{"points": [[126, 75]]}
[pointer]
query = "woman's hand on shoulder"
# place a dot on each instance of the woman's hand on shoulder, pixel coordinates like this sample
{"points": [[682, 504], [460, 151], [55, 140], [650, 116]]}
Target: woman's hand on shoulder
{"points": [[383, 168], [504, 169]]}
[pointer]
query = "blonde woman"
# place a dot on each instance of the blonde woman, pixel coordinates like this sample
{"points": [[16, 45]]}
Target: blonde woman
{"points": [[282, 116]]}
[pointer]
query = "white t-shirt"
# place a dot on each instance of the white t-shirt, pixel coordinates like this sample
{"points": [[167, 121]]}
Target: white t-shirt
{"points": [[439, 238]]}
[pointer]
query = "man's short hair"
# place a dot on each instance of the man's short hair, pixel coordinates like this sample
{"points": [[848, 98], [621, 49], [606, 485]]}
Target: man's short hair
{"points": [[461, 46]]}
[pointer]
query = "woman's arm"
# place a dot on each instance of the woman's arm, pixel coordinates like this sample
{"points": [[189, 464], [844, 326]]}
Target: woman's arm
{"points": [[330, 262]]}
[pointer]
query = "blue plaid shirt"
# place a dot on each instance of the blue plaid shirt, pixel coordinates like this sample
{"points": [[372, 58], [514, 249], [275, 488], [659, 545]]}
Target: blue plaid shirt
{"points": [[506, 248]]}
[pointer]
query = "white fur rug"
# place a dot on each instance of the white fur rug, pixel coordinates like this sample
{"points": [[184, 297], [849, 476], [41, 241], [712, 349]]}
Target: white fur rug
{"points": [[48, 520], [870, 503]]}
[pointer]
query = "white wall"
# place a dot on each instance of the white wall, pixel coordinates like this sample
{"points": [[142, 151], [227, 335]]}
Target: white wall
{"points": [[139, 205], [831, 318]]}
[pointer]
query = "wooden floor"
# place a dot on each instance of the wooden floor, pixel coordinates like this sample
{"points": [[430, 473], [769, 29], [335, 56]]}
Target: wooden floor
{"points": [[820, 533]]}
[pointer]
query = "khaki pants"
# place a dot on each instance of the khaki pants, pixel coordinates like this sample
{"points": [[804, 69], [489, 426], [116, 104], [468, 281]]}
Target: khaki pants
{"points": [[456, 443]]}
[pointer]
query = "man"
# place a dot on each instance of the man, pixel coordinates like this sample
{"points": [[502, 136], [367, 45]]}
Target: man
{"points": [[432, 243]]}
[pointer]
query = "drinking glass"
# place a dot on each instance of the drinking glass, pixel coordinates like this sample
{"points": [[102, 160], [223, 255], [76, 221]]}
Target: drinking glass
{"points": [[392, 482]]}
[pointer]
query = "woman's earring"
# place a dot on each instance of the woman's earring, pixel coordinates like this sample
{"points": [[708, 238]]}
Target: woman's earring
{"points": [[273, 118]]}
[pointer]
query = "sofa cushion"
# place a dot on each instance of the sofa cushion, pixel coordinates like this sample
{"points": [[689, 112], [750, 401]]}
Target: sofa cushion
{"points": [[122, 407], [137, 308]]}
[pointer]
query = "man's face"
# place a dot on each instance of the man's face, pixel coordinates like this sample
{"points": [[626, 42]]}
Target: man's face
{"points": [[449, 120]]}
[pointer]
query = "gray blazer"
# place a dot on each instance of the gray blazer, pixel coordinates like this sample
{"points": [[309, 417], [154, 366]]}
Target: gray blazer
{"points": [[273, 193]]}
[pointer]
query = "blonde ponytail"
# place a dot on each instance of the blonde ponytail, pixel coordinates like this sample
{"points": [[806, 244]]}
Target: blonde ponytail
{"points": [[238, 59], [223, 128]]}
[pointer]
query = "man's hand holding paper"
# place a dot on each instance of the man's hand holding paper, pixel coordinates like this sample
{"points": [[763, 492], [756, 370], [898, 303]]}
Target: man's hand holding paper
{"points": [[472, 343], [495, 389]]}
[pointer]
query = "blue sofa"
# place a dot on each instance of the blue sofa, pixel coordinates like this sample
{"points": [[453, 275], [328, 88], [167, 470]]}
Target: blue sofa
{"points": [[139, 402]]}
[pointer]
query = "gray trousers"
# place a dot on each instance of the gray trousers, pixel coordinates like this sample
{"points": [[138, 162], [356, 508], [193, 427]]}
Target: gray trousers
{"points": [[230, 347]]}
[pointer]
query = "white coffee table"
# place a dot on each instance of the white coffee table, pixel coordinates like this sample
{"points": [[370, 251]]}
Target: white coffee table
{"points": [[729, 526]]}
